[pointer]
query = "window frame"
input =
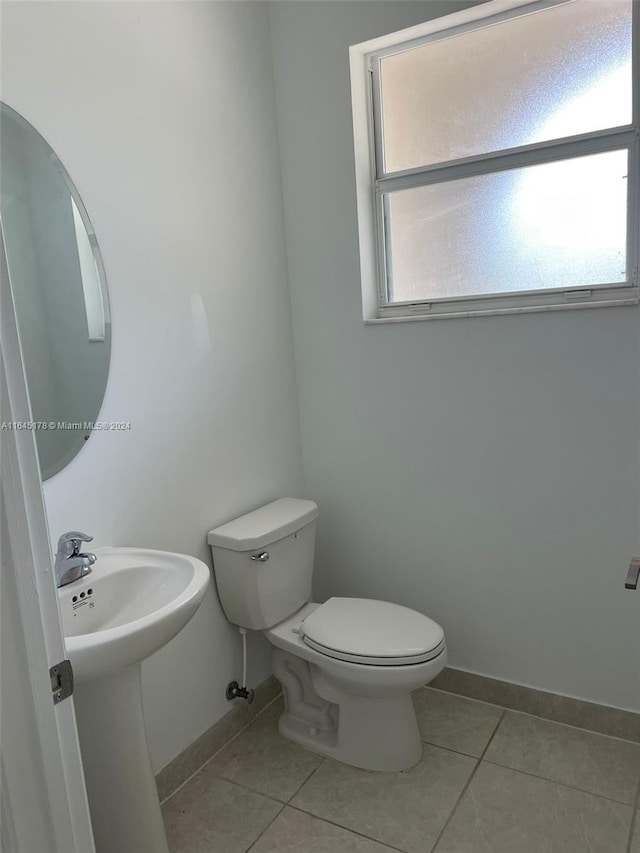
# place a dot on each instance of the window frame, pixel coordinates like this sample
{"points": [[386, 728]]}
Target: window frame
{"points": [[373, 182]]}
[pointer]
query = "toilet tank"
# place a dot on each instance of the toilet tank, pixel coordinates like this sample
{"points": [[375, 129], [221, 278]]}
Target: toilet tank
{"points": [[263, 562]]}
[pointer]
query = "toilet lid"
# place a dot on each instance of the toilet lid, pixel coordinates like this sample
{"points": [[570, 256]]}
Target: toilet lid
{"points": [[374, 632]]}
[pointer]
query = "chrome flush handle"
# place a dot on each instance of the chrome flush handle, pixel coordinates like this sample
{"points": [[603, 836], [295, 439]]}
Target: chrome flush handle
{"points": [[262, 557]]}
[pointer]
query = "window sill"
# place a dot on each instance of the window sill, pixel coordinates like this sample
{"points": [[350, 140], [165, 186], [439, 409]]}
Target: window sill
{"points": [[393, 315]]}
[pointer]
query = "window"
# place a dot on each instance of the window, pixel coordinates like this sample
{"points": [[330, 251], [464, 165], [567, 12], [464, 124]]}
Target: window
{"points": [[497, 160]]}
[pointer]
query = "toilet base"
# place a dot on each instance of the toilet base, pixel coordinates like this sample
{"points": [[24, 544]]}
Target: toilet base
{"points": [[374, 732]]}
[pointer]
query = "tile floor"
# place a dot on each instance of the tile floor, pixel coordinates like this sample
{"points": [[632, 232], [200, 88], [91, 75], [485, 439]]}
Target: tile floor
{"points": [[490, 781]]}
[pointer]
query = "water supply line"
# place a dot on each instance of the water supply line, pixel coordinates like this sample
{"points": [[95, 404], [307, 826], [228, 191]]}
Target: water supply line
{"points": [[234, 691]]}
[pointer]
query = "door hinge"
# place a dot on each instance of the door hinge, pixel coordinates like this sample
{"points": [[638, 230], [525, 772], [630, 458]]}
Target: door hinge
{"points": [[633, 575], [61, 675]]}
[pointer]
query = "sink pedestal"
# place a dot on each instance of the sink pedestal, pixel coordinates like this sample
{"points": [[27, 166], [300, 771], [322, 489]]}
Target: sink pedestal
{"points": [[133, 603], [123, 799]]}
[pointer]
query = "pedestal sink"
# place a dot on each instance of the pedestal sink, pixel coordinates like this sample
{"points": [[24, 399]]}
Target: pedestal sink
{"points": [[133, 602]]}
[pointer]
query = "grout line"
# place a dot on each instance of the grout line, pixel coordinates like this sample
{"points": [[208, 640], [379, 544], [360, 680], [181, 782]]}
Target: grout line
{"points": [[545, 719], [569, 726], [255, 791], [347, 828], [451, 749], [468, 783], [464, 696], [456, 804], [271, 796], [557, 782], [246, 787], [224, 746], [274, 818], [313, 772], [634, 820], [283, 806]]}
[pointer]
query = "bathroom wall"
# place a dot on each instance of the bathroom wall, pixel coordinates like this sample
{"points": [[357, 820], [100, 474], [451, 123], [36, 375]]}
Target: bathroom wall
{"points": [[163, 114], [484, 470]]}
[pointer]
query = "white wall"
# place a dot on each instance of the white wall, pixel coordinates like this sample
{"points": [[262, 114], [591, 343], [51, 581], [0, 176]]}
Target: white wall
{"points": [[163, 114], [484, 470]]}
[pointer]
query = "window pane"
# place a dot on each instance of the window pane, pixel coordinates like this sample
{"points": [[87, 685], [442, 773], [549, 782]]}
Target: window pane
{"points": [[546, 75], [554, 225]]}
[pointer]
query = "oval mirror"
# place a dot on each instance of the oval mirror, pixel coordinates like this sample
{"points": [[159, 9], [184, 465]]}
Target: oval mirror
{"points": [[59, 290]]}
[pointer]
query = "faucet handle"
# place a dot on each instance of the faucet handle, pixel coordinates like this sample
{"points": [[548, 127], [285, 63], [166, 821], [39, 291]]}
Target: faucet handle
{"points": [[69, 543]]}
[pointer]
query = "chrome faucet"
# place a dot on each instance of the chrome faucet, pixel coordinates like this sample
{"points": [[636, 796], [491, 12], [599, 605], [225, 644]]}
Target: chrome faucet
{"points": [[70, 564]]}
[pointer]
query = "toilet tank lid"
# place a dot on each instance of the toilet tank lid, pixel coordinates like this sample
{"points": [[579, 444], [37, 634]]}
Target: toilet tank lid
{"points": [[264, 525]]}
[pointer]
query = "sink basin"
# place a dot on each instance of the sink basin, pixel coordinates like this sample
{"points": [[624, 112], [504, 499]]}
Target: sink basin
{"points": [[131, 604]]}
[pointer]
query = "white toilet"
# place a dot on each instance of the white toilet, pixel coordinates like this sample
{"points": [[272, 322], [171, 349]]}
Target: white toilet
{"points": [[347, 666]]}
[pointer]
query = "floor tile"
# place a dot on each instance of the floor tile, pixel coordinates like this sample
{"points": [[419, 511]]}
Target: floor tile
{"points": [[209, 813], [200, 751], [504, 811], [455, 722], [549, 706], [406, 809], [262, 759], [635, 844], [584, 760], [295, 832]]}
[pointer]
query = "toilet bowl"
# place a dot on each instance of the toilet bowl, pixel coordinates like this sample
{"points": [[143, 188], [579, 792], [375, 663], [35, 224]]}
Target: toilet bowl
{"points": [[358, 712], [347, 666]]}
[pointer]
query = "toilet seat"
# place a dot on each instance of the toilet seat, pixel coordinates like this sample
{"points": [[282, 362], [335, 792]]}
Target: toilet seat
{"points": [[376, 633]]}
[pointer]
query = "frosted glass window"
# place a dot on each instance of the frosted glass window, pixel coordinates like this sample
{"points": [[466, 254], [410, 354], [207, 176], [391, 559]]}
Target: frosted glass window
{"points": [[554, 225], [553, 73], [497, 157]]}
